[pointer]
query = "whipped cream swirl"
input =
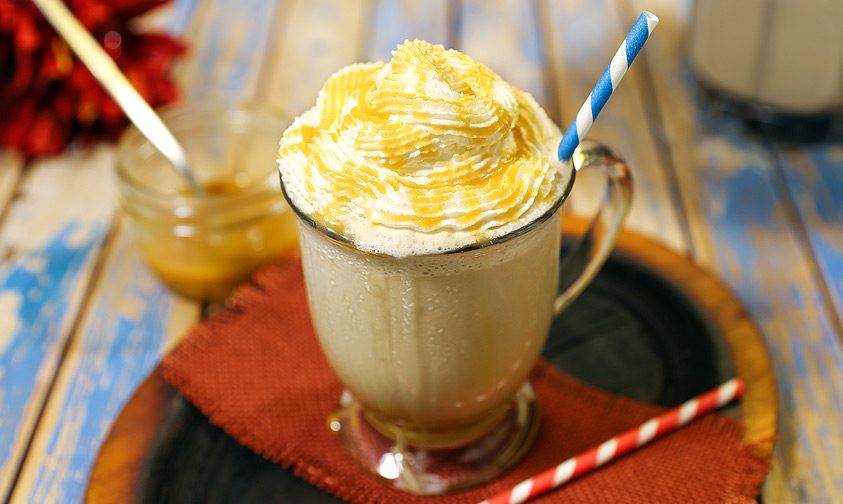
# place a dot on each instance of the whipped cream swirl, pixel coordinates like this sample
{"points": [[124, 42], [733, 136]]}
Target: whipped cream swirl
{"points": [[427, 153]]}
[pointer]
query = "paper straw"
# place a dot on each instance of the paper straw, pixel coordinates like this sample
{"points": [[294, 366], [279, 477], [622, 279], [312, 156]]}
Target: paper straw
{"points": [[611, 449], [610, 79]]}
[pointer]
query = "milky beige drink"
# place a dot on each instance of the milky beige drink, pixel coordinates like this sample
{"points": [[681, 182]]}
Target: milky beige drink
{"points": [[441, 177], [434, 341]]}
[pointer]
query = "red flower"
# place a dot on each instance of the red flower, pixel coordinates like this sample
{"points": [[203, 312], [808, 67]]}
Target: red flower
{"points": [[48, 98]]}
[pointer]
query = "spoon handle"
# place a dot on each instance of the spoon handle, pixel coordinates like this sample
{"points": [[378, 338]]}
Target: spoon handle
{"points": [[112, 79]]}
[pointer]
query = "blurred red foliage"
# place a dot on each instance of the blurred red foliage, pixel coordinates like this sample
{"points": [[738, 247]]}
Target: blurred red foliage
{"points": [[48, 98]]}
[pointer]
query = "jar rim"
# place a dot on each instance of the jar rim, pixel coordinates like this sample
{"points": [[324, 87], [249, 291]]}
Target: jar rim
{"points": [[131, 140]]}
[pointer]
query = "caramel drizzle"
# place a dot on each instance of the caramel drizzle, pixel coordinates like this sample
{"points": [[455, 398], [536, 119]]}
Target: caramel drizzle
{"points": [[433, 140]]}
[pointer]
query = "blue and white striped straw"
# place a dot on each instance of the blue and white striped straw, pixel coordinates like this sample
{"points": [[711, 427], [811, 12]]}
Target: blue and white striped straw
{"points": [[610, 79]]}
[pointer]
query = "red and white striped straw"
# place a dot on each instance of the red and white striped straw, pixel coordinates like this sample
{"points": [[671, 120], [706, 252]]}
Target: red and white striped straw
{"points": [[630, 440]]}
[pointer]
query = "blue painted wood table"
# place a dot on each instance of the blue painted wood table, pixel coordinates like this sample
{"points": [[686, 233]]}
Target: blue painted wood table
{"points": [[82, 320]]}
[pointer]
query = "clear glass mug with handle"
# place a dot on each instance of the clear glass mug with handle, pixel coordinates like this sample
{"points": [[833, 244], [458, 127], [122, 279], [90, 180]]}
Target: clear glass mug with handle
{"points": [[434, 350]]}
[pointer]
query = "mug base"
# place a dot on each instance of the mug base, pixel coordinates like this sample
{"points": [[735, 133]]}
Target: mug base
{"points": [[425, 470]]}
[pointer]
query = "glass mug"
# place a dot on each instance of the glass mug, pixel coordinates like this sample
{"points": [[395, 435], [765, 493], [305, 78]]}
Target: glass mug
{"points": [[434, 350]]}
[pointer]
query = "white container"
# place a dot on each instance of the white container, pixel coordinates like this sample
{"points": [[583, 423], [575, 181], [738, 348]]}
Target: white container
{"points": [[785, 55]]}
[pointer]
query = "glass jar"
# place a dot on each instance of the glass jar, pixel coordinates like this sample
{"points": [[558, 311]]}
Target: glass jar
{"points": [[202, 246], [777, 63]]}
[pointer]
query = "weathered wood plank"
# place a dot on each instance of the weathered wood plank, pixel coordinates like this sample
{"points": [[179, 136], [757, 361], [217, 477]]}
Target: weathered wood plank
{"points": [[505, 36], [581, 38], [741, 228], [228, 39], [394, 21], [182, 18], [63, 450], [50, 239], [319, 37], [814, 178], [133, 320]]}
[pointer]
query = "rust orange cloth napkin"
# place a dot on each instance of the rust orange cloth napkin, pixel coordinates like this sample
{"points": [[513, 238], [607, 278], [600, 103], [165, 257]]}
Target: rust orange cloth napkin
{"points": [[256, 370]]}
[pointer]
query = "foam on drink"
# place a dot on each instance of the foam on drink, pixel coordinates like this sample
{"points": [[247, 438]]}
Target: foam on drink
{"points": [[430, 152]]}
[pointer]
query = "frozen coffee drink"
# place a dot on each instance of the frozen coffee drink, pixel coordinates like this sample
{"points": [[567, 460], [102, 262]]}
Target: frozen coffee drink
{"points": [[428, 195]]}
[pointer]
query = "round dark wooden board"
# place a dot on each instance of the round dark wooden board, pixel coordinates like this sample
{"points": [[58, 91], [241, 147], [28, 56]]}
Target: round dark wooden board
{"points": [[653, 326]]}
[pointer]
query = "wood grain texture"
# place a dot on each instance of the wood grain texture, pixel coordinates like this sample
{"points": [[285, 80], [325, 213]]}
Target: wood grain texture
{"points": [[49, 250], [814, 179], [132, 321], [50, 240], [318, 37], [228, 41], [742, 229], [581, 38], [121, 461], [394, 21], [505, 36]]}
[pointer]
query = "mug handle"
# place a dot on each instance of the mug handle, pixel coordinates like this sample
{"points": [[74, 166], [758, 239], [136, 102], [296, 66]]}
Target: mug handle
{"points": [[583, 262]]}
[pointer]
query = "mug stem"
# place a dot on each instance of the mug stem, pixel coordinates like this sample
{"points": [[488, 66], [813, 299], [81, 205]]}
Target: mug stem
{"points": [[587, 257]]}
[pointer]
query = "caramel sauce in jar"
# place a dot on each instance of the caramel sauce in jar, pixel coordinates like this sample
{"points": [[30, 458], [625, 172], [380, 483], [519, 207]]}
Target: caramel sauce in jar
{"points": [[204, 246], [208, 259]]}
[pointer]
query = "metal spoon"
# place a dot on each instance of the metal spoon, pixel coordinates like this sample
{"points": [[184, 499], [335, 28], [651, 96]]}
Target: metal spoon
{"points": [[109, 75]]}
